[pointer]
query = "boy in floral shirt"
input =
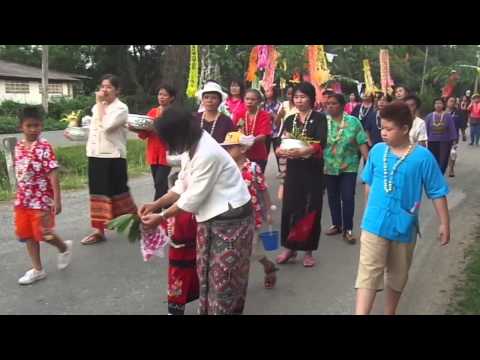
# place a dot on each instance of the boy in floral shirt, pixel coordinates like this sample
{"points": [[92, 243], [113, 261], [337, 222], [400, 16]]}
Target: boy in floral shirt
{"points": [[38, 195], [237, 145]]}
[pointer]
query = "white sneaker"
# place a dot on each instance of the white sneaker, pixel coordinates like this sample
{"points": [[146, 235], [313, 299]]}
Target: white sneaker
{"points": [[64, 258], [32, 276]]}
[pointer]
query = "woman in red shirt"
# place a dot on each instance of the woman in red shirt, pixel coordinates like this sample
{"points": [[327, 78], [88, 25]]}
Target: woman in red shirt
{"points": [[256, 122], [156, 148]]}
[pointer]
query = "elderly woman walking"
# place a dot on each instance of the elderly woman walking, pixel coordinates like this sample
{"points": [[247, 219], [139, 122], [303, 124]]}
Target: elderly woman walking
{"points": [[210, 186]]}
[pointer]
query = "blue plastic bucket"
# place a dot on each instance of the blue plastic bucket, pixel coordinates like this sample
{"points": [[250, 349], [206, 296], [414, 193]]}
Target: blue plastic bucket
{"points": [[270, 240]]}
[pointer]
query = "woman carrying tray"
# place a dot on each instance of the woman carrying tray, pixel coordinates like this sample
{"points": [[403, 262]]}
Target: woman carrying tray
{"points": [[304, 181]]}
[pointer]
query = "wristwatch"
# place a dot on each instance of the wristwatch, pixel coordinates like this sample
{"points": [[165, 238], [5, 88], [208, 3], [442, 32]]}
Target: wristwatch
{"points": [[162, 214]]}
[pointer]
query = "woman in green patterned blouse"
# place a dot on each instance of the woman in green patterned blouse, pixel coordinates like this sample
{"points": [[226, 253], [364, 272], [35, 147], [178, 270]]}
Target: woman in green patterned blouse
{"points": [[346, 140]]}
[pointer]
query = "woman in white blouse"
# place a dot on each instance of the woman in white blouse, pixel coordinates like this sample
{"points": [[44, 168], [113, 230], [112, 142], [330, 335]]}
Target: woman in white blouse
{"points": [[107, 165], [418, 132], [210, 186]]}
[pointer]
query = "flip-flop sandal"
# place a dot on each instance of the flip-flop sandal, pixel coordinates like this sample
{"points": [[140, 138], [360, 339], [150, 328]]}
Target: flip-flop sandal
{"points": [[285, 257], [270, 276], [308, 261], [270, 280], [92, 239]]}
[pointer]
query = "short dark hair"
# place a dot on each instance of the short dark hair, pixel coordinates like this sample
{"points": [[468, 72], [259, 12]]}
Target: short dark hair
{"points": [[370, 97], [439, 99], [31, 112], [339, 97], [239, 83], [256, 92], [398, 113], [418, 102], [307, 89], [274, 90], [114, 80], [168, 88], [407, 90], [386, 96], [180, 129]]}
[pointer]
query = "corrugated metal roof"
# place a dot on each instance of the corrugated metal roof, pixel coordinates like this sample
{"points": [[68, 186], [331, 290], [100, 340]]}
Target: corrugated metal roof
{"points": [[15, 70]]}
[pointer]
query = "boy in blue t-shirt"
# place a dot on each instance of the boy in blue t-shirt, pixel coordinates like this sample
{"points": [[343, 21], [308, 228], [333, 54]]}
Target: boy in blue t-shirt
{"points": [[395, 175]]}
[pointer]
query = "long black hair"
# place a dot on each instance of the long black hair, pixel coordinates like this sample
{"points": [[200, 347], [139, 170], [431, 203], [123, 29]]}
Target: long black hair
{"points": [[180, 129], [241, 84]]}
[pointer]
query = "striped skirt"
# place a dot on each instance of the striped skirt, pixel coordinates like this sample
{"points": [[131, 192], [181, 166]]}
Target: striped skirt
{"points": [[109, 193]]}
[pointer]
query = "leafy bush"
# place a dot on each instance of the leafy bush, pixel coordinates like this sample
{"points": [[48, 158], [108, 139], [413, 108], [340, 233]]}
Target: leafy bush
{"points": [[10, 108], [61, 107], [57, 109], [9, 125]]}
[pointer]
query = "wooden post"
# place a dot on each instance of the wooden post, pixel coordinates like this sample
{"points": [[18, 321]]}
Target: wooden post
{"points": [[9, 149], [424, 69], [45, 77], [478, 73]]}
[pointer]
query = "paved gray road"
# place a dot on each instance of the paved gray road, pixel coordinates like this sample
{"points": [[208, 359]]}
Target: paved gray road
{"points": [[111, 278]]}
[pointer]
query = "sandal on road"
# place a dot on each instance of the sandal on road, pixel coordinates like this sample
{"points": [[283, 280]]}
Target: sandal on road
{"points": [[93, 239], [308, 261], [285, 256], [270, 276]]}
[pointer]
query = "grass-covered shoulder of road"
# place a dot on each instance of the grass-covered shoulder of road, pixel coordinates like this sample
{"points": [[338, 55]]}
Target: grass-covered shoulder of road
{"points": [[73, 167], [466, 297]]}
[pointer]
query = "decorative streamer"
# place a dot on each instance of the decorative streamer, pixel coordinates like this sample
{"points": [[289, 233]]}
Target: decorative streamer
{"points": [[318, 70], [385, 77], [269, 75], [252, 65], [370, 88], [262, 57], [192, 86]]}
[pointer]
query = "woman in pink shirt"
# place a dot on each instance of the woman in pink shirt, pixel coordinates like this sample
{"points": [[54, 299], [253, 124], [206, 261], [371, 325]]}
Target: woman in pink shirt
{"points": [[352, 104], [235, 100], [474, 110]]}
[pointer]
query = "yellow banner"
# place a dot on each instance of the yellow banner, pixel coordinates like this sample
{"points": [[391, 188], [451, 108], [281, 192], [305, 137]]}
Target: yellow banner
{"points": [[370, 88], [192, 86]]}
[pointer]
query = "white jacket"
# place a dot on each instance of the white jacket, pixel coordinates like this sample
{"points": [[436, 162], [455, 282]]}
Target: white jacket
{"points": [[108, 137], [210, 183]]}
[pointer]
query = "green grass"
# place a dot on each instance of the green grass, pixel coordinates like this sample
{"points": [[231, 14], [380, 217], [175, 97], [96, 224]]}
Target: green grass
{"points": [[73, 167], [466, 299]]}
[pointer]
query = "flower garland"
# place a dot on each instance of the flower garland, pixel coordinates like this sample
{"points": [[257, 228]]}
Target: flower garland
{"points": [[295, 129], [388, 178], [363, 113], [192, 86], [212, 130], [331, 139], [243, 124]]}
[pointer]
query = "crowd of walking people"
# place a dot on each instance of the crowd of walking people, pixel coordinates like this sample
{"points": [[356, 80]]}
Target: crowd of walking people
{"points": [[219, 200]]}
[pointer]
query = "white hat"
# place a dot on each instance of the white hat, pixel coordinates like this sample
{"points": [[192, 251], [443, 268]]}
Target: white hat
{"points": [[210, 87]]}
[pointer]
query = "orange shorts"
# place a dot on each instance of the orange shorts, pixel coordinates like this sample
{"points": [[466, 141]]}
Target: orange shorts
{"points": [[33, 224]]}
